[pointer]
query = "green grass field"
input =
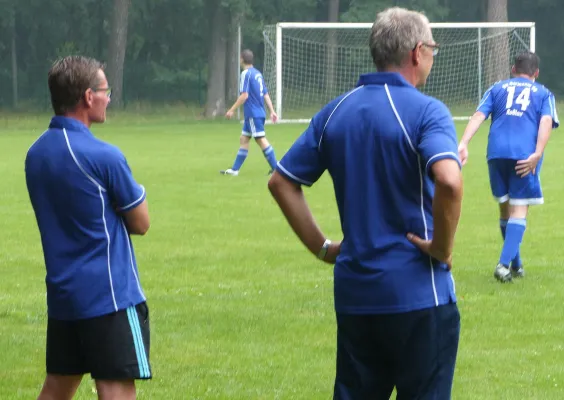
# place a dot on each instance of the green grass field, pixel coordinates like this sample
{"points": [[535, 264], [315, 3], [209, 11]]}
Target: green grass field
{"points": [[239, 308]]}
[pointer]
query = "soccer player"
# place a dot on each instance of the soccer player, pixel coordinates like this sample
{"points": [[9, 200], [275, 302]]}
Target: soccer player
{"points": [[253, 95], [391, 152], [87, 203], [523, 116]]}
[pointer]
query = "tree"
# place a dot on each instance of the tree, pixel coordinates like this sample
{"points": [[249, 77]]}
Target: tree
{"points": [[215, 102], [497, 62], [117, 47], [332, 49]]}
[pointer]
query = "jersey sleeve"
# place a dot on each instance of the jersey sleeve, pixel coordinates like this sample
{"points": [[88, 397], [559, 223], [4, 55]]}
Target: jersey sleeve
{"points": [[549, 108], [437, 140], [486, 104], [245, 82], [125, 193], [303, 163]]}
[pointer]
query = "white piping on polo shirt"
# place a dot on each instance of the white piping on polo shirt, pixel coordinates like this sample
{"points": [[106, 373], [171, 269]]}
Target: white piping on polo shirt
{"points": [[100, 190], [421, 182]]}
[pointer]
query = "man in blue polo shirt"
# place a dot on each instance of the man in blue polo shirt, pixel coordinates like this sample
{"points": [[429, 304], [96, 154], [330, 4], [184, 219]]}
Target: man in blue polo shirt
{"points": [[391, 152], [87, 203]]}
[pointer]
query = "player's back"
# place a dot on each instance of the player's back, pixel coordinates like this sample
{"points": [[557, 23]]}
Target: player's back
{"points": [[516, 106], [252, 83]]}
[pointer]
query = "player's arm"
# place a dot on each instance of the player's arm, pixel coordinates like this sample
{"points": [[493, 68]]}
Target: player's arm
{"points": [[238, 103], [273, 115], [128, 197], [302, 165], [484, 110], [437, 147], [549, 120], [137, 219], [291, 200]]}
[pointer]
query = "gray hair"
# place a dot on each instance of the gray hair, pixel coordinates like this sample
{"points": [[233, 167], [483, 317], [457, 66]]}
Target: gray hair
{"points": [[395, 33]]}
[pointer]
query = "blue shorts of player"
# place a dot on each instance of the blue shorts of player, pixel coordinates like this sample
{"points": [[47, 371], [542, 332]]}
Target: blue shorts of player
{"points": [[254, 127], [507, 185], [415, 352]]}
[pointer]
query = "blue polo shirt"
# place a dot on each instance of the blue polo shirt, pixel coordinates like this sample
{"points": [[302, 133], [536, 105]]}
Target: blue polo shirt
{"points": [[78, 185], [378, 143]]}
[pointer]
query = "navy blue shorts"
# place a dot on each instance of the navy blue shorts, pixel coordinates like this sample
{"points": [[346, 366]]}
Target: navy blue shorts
{"points": [[506, 185], [415, 352]]}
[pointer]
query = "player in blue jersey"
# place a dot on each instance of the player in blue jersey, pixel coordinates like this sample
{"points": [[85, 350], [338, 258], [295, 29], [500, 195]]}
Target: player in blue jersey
{"points": [[523, 115], [253, 94], [87, 203], [391, 152]]}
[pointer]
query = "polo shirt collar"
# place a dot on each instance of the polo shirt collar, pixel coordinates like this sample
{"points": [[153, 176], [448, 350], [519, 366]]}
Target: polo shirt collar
{"points": [[71, 124], [382, 78]]}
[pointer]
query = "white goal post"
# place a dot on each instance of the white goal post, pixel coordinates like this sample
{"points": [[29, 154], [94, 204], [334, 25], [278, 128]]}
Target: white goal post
{"points": [[308, 64]]}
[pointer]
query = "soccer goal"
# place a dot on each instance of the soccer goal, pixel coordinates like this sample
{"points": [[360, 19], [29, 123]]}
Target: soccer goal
{"points": [[308, 64]]}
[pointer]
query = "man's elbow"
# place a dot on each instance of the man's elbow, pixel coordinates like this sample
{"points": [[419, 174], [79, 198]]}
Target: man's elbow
{"points": [[448, 177], [140, 227]]}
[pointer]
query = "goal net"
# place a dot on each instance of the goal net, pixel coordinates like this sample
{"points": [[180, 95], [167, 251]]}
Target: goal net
{"points": [[308, 64]]}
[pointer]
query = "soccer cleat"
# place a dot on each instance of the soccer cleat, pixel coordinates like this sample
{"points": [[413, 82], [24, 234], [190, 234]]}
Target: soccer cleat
{"points": [[502, 273], [229, 172], [517, 272]]}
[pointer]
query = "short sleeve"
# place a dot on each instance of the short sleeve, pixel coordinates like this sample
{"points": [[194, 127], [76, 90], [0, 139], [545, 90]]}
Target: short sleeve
{"points": [[303, 163], [486, 104], [122, 188], [437, 136], [549, 108], [245, 81]]}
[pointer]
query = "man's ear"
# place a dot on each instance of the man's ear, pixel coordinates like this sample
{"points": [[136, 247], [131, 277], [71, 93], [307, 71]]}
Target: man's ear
{"points": [[88, 98], [416, 54], [536, 75]]}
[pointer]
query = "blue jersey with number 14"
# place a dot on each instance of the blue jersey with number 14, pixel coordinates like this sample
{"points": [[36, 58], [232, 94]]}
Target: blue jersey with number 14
{"points": [[253, 84], [516, 106]]}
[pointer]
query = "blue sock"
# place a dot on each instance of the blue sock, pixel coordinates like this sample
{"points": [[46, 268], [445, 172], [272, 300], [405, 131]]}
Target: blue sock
{"points": [[513, 237], [516, 262], [240, 159], [270, 156]]}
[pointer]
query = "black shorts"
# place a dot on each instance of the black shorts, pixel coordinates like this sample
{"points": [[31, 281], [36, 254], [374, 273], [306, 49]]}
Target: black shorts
{"points": [[109, 347], [415, 352]]}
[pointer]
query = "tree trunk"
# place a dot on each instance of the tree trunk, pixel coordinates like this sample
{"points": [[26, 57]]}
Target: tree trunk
{"points": [[15, 99], [234, 56], [217, 59], [116, 49], [331, 62], [498, 65]]}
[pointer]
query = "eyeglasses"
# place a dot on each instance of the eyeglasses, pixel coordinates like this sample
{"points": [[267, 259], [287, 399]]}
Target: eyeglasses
{"points": [[433, 47], [106, 91]]}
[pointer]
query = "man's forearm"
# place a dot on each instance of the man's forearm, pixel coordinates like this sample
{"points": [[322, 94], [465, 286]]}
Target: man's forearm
{"points": [[472, 127], [545, 129], [241, 100], [291, 201], [268, 103], [447, 205]]}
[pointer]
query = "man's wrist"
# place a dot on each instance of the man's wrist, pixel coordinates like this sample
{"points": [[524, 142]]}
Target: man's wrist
{"points": [[324, 248]]}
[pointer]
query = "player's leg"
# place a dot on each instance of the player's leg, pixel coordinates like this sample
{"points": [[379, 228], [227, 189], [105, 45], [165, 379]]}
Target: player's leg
{"points": [[260, 137], [116, 390], [123, 356], [64, 362], [59, 387], [243, 151], [516, 263], [364, 370], [426, 353], [523, 192], [500, 171]]}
